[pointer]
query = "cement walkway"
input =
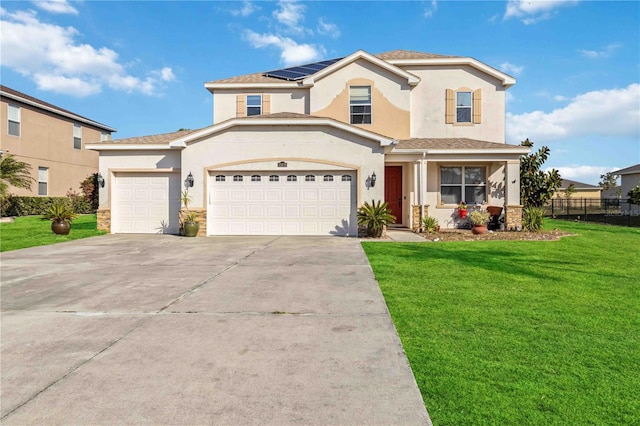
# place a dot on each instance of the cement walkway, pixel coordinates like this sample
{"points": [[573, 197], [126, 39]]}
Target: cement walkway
{"points": [[170, 330]]}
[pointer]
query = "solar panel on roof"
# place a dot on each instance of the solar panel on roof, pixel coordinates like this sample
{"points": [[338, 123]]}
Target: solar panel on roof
{"points": [[301, 71]]}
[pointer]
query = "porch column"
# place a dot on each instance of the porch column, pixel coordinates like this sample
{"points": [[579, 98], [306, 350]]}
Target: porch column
{"points": [[513, 208], [419, 208]]}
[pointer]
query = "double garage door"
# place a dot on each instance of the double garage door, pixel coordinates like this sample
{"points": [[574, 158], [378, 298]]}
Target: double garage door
{"points": [[282, 203]]}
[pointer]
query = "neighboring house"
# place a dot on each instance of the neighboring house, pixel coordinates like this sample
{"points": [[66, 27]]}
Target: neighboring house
{"points": [[52, 140], [297, 150], [611, 193], [629, 179], [582, 190]]}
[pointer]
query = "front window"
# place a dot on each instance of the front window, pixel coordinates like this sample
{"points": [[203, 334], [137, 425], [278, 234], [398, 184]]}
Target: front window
{"points": [[254, 105], [360, 104], [463, 107], [77, 136], [468, 184], [13, 126], [43, 180]]}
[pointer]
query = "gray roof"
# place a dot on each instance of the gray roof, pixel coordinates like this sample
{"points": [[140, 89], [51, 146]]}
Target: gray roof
{"points": [[578, 185], [628, 170], [451, 143]]}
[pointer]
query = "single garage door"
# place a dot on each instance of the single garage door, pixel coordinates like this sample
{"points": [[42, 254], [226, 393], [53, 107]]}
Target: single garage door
{"points": [[282, 203], [146, 203]]}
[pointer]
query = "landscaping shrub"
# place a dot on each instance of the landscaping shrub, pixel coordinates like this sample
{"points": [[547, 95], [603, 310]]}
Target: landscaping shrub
{"points": [[27, 206], [430, 224], [532, 219]]}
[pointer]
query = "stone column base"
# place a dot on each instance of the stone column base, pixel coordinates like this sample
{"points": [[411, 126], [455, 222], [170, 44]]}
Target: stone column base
{"points": [[417, 216], [513, 218], [104, 220]]}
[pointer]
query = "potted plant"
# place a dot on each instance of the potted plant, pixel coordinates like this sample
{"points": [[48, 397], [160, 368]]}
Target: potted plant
{"points": [[375, 217], [462, 210], [60, 216], [189, 224], [479, 220]]}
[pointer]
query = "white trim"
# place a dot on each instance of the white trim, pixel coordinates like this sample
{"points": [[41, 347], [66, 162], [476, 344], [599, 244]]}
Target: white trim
{"points": [[412, 80], [462, 151], [57, 111], [127, 147], [283, 85], [506, 79]]}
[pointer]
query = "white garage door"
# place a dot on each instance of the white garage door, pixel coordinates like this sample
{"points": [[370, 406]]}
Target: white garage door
{"points": [[282, 203], [146, 203]]}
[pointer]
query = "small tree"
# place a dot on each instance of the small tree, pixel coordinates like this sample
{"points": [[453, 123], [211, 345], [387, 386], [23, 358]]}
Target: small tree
{"points": [[608, 181], [536, 186], [13, 173], [634, 195], [568, 192], [89, 187]]}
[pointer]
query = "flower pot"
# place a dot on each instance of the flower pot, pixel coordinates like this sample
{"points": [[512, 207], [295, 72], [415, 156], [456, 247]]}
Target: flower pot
{"points": [[494, 210], [191, 229], [479, 229], [60, 227], [462, 213]]}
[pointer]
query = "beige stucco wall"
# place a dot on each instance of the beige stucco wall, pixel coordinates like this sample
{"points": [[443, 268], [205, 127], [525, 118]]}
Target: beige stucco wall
{"points": [[301, 147], [390, 94], [428, 103], [282, 100], [112, 162], [46, 140], [579, 193]]}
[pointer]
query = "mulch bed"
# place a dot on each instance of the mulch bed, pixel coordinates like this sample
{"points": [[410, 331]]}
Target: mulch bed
{"points": [[467, 235]]}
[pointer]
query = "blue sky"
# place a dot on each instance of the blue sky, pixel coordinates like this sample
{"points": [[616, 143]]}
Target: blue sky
{"points": [[140, 66]]}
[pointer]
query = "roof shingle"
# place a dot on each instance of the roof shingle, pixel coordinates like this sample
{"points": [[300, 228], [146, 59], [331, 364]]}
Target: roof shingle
{"points": [[451, 143]]}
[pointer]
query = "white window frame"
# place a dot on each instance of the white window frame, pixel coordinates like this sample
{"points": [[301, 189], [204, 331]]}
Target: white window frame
{"points": [[77, 136], [43, 179], [253, 106], [465, 107], [463, 185], [14, 115], [354, 103]]}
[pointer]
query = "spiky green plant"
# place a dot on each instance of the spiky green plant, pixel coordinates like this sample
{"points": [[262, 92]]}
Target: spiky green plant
{"points": [[532, 218], [375, 217], [430, 224], [59, 212]]}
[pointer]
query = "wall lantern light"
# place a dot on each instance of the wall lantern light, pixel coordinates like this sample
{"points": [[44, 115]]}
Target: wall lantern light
{"points": [[100, 180], [188, 182], [373, 179]]}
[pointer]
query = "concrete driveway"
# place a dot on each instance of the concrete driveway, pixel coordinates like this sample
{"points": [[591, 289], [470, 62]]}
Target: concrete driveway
{"points": [[221, 330]]}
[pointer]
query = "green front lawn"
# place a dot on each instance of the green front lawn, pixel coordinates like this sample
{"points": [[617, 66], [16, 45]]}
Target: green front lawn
{"points": [[520, 332], [31, 231]]}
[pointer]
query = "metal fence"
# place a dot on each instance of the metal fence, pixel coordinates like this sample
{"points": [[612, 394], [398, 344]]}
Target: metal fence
{"points": [[613, 211]]}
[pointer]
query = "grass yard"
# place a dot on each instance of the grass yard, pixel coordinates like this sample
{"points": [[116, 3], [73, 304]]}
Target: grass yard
{"points": [[31, 231], [520, 332]]}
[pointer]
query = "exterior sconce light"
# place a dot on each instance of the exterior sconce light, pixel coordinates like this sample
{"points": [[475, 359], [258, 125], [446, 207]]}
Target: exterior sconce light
{"points": [[100, 180], [188, 182], [373, 179]]}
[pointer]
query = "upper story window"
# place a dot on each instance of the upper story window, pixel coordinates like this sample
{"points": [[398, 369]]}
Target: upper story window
{"points": [[254, 105], [43, 180], [360, 104], [77, 136], [13, 126], [463, 106], [468, 184]]}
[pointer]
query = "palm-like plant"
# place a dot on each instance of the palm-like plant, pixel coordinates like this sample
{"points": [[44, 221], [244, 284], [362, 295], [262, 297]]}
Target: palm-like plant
{"points": [[375, 217], [13, 173]]}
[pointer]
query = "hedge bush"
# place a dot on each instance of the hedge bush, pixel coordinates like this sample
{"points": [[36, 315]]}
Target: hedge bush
{"points": [[26, 206]]}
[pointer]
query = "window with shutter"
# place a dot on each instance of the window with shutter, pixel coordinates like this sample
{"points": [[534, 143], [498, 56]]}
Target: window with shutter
{"points": [[463, 106]]}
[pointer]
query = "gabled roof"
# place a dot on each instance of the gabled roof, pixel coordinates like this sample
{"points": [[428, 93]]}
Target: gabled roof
{"points": [[455, 145], [393, 55], [163, 138], [6, 92], [628, 170], [578, 185]]}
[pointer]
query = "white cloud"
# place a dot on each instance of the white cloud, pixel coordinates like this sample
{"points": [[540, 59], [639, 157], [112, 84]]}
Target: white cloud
{"points": [[291, 14], [326, 28], [291, 53], [560, 98], [509, 97], [614, 112], [597, 54], [430, 10], [56, 6], [532, 11], [511, 69], [50, 55], [583, 173], [247, 9]]}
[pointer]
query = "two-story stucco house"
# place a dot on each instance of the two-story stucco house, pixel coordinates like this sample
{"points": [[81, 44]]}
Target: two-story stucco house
{"points": [[297, 150], [50, 139]]}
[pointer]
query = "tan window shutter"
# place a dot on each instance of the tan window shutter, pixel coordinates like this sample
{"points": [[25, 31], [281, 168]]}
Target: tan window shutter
{"points": [[450, 107], [477, 106], [241, 106], [266, 104]]}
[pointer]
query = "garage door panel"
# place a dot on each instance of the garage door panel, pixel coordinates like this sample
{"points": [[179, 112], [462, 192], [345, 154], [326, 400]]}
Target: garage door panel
{"points": [[146, 203], [270, 206]]}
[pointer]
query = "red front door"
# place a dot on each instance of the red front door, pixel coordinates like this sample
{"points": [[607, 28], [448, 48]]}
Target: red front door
{"points": [[393, 190]]}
